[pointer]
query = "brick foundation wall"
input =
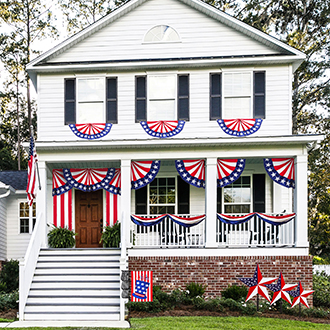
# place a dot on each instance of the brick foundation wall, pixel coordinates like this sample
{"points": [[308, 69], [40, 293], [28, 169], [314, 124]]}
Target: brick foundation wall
{"points": [[219, 272]]}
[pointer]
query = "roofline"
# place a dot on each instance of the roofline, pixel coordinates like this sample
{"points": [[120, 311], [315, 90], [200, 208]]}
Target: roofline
{"points": [[175, 142], [197, 4]]}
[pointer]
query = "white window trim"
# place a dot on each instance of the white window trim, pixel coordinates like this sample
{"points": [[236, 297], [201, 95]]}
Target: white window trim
{"points": [[176, 195], [251, 89], [19, 201], [82, 77], [251, 195]]}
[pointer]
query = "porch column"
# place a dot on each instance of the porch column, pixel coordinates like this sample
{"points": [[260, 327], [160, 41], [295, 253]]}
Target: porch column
{"points": [[300, 201], [125, 201], [41, 200], [211, 202]]}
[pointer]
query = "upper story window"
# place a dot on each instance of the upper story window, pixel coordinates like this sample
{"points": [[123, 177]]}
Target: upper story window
{"points": [[25, 227], [237, 95], [161, 33], [162, 97], [90, 100]]}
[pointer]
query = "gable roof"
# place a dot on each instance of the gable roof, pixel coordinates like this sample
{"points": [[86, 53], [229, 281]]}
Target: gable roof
{"points": [[15, 179], [287, 53]]}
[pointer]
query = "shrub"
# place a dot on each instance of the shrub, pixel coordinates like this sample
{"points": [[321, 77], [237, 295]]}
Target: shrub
{"points": [[235, 292], [320, 261], [195, 289], [9, 300], [321, 285], [61, 238], [231, 304], [111, 236], [9, 276]]}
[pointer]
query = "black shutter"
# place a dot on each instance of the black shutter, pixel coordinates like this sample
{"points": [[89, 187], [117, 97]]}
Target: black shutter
{"points": [[219, 206], [70, 101], [183, 197], [259, 95], [183, 97], [140, 98], [259, 193], [215, 96], [112, 112], [141, 196]]}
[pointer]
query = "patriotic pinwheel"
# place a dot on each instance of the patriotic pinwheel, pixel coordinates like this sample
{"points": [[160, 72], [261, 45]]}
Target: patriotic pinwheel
{"points": [[300, 295], [90, 131], [280, 290], [257, 284]]}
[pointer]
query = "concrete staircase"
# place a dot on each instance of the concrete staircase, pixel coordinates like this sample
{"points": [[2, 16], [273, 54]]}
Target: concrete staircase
{"points": [[75, 284]]}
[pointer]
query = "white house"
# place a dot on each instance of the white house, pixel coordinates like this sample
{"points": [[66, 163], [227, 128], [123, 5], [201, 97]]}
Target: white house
{"points": [[172, 108]]}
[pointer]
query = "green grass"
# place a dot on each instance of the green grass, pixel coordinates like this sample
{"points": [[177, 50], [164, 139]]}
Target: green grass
{"points": [[6, 320], [226, 323]]}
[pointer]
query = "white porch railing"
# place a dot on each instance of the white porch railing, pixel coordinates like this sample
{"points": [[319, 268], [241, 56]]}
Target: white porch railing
{"points": [[168, 234], [255, 232], [28, 264]]}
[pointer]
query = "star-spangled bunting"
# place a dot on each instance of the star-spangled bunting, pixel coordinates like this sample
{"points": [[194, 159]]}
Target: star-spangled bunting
{"points": [[90, 131], [163, 129], [240, 127], [281, 171], [300, 295], [281, 289], [143, 172], [257, 284]]}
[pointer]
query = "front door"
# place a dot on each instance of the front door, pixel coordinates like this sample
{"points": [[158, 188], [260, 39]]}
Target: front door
{"points": [[89, 218]]}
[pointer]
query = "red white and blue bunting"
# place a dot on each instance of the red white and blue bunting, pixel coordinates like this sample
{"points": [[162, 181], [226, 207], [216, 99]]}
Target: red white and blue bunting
{"points": [[229, 170], [89, 179], [146, 222], [192, 171], [182, 221], [60, 185], [90, 131], [163, 129], [143, 172], [275, 220], [281, 171], [240, 127], [114, 185]]}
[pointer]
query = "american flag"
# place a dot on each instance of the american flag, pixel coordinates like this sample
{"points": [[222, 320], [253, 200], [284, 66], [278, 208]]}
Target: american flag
{"points": [[31, 184]]}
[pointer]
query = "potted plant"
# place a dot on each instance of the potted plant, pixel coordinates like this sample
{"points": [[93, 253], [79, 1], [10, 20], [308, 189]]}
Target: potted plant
{"points": [[111, 236], [61, 238]]}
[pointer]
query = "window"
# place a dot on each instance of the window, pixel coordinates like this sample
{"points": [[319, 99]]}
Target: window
{"points": [[165, 97], [161, 33], [162, 197], [237, 95], [90, 100], [237, 197], [25, 227]]}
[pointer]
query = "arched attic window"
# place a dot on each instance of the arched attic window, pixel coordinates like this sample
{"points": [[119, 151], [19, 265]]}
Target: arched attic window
{"points": [[161, 33]]}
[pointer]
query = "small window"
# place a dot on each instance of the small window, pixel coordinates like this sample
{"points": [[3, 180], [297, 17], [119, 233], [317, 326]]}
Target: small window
{"points": [[25, 227], [162, 197], [237, 197], [161, 33]]}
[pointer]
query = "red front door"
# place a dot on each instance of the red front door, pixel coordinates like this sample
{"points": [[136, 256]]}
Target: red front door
{"points": [[89, 218]]}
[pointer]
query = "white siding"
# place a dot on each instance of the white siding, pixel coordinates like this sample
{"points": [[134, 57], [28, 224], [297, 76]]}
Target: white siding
{"points": [[278, 107], [16, 243], [200, 36], [3, 229]]}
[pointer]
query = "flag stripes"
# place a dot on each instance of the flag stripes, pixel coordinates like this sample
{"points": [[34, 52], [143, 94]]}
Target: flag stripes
{"points": [[141, 286]]}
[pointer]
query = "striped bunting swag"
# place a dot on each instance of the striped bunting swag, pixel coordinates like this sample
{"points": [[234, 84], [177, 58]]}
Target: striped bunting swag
{"points": [[281, 171], [233, 220], [192, 171], [229, 170], [187, 222], [141, 221], [276, 220]]}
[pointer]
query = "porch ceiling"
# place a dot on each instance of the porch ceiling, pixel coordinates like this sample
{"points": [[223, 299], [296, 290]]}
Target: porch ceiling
{"points": [[87, 164]]}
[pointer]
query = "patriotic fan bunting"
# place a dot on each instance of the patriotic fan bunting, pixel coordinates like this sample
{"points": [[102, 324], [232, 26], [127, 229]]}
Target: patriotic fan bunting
{"points": [[60, 185], [229, 170], [192, 171], [140, 221], [280, 290], [240, 127], [163, 129], [90, 131], [89, 179], [232, 220], [276, 219], [187, 222], [144, 172], [300, 295], [114, 185], [281, 170], [257, 284]]}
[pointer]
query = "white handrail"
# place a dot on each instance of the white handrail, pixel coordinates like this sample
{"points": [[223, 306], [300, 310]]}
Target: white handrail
{"points": [[28, 264]]}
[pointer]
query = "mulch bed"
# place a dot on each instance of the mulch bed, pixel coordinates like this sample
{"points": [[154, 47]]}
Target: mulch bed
{"points": [[10, 314], [190, 311]]}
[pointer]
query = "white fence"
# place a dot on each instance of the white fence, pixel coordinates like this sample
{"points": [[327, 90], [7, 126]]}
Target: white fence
{"points": [[321, 268]]}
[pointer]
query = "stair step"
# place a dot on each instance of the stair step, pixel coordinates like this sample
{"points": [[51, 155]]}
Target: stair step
{"points": [[78, 263], [97, 316], [76, 301], [73, 293], [78, 271], [71, 308]]}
